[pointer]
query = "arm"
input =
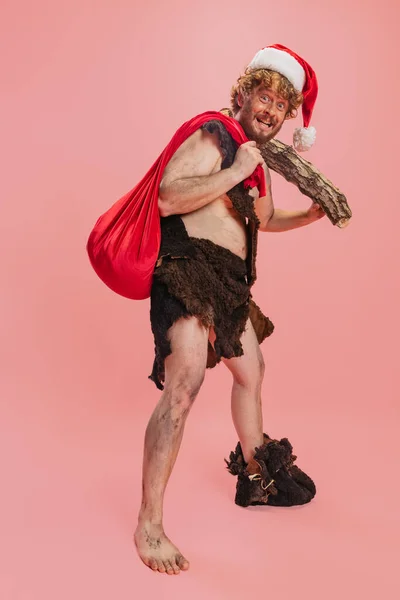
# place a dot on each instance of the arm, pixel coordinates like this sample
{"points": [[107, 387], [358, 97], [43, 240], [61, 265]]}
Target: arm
{"points": [[189, 181], [193, 177], [284, 220], [276, 219], [264, 206]]}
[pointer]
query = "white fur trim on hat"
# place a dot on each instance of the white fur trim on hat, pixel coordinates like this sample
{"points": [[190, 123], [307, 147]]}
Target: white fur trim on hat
{"points": [[283, 63], [304, 138]]}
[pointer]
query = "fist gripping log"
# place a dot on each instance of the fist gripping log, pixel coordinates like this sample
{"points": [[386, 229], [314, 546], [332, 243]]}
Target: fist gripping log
{"points": [[247, 158], [312, 183]]}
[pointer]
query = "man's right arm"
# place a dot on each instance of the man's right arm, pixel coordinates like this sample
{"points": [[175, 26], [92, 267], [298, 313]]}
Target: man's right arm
{"points": [[189, 181]]}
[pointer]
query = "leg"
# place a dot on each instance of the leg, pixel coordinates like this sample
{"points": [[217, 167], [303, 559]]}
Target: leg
{"points": [[184, 374], [248, 373], [276, 486]]}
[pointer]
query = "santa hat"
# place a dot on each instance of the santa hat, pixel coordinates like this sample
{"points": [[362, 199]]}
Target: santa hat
{"points": [[282, 60]]}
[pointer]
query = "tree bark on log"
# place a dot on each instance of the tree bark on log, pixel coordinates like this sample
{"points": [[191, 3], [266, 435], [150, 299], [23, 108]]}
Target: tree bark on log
{"points": [[311, 182]]}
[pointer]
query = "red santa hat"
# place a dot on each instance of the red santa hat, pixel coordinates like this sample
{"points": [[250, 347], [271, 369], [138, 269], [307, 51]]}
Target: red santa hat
{"points": [[286, 62]]}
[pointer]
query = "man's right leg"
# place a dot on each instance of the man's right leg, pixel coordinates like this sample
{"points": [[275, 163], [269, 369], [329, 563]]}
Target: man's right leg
{"points": [[184, 374]]}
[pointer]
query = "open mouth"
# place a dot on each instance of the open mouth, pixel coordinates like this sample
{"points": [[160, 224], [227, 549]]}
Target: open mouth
{"points": [[265, 123]]}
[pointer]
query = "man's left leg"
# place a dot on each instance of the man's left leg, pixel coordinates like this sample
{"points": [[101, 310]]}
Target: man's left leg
{"points": [[248, 373], [286, 483]]}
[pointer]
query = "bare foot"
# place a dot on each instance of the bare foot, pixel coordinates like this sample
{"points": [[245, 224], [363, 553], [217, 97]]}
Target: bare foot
{"points": [[157, 551]]}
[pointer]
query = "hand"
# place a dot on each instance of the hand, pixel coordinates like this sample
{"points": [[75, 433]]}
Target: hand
{"points": [[247, 158], [314, 213]]}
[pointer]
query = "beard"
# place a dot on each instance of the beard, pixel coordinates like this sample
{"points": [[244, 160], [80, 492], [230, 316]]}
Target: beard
{"points": [[250, 126]]}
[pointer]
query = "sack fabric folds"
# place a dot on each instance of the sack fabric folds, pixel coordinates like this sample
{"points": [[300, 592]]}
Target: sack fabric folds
{"points": [[124, 244]]}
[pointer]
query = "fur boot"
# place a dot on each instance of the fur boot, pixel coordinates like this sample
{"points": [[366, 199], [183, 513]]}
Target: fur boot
{"points": [[280, 482]]}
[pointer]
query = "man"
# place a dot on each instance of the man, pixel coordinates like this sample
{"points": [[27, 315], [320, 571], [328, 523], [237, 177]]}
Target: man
{"points": [[201, 307]]}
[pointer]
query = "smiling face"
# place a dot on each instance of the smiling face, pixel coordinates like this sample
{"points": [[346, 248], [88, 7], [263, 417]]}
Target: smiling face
{"points": [[262, 113], [261, 100]]}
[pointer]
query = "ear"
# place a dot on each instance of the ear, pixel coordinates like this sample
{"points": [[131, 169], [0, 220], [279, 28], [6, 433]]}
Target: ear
{"points": [[239, 98], [290, 116]]}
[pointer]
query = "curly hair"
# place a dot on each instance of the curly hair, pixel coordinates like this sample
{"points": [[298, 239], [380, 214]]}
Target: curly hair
{"points": [[252, 78]]}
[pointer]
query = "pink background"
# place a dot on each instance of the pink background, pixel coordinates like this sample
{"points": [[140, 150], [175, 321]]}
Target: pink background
{"points": [[91, 93]]}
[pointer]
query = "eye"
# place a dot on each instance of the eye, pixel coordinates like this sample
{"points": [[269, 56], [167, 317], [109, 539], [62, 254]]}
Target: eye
{"points": [[281, 106], [265, 98]]}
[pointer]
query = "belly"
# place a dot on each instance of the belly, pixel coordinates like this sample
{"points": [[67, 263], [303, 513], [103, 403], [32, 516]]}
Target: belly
{"points": [[220, 224]]}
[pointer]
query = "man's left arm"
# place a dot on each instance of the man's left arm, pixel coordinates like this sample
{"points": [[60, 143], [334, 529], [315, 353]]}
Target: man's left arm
{"points": [[276, 220], [284, 220]]}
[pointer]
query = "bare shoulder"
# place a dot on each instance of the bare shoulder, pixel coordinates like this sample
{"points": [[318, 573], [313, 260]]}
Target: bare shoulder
{"points": [[197, 156]]}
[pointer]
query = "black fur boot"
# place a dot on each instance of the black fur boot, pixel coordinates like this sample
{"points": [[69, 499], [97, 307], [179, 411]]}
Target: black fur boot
{"points": [[280, 483]]}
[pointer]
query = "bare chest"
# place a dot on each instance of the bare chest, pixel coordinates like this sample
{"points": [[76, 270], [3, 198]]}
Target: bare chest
{"points": [[219, 222]]}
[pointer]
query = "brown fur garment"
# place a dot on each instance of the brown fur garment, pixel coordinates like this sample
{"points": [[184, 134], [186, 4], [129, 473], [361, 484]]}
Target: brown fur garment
{"points": [[241, 200], [199, 278], [282, 483], [195, 277]]}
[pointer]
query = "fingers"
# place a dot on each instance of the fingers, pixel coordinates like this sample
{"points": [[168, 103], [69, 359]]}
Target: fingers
{"points": [[257, 154], [247, 158], [254, 151]]}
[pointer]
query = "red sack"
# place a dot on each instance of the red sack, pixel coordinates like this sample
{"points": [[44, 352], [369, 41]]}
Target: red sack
{"points": [[124, 244]]}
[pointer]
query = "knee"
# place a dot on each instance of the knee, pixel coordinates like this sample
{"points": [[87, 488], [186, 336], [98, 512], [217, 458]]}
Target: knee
{"points": [[252, 376], [183, 389]]}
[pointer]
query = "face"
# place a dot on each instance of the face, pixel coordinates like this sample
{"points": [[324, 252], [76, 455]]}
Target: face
{"points": [[262, 113]]}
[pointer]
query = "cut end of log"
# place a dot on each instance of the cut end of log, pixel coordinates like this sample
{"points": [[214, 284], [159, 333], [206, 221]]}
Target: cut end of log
{"points": [[343, 223], [285, 161]]}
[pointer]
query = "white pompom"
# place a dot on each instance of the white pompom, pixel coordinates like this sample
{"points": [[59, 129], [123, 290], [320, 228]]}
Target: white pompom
{"points": [[304, 138]]}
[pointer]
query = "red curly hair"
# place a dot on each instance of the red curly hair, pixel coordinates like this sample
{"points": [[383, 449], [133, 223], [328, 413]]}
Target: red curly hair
{"points": [[253, 78]]}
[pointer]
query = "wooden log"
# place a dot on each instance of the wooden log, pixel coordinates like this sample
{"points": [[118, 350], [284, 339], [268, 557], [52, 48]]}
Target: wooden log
{"points": [[283, 159], [311, 182]]}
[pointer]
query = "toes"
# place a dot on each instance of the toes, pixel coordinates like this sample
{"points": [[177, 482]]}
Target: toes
{"points": [[161, 567], [168, 567], [182, 562], [175, 567], [153, 564]]}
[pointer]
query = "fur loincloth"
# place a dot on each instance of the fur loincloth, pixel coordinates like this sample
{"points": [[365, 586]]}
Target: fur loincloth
{"points": [[195, 277]]}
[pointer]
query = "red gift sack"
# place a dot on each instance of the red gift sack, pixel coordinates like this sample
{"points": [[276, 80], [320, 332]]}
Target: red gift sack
{"points": [[124, 244]]}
